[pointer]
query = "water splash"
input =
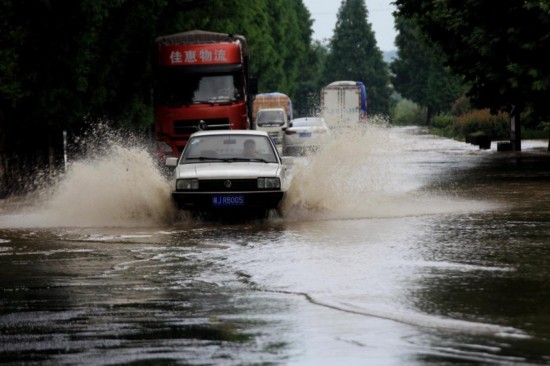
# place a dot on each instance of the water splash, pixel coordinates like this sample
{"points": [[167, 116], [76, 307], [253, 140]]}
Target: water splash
{"points": [[115, 183], [364, 172]]}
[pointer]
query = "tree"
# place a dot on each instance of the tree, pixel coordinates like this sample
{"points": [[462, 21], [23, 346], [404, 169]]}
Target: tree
{"points": [[310, 82], [69, 61], [502, 50], [419, 73], [354, 55]]}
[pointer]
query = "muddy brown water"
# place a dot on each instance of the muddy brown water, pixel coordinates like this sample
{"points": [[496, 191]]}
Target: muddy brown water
{"points": [[396, 247]]}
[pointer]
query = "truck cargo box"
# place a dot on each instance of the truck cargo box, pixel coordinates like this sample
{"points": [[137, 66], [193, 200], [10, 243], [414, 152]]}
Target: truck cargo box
{"points": [[344, 103]]}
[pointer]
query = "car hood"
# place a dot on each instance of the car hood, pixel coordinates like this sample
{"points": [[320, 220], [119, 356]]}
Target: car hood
{"points": [[224, 170]]}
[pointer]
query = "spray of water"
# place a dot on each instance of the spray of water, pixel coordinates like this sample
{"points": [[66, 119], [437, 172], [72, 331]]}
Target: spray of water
{"points": [[362, 173], [116, 182]]}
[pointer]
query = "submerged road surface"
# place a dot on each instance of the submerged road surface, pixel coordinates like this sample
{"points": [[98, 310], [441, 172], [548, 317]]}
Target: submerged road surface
{"points": [[395, 248]]}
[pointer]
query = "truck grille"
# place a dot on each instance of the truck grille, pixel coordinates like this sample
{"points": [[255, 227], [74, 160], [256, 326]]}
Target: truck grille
{"points": [[187, 127]]}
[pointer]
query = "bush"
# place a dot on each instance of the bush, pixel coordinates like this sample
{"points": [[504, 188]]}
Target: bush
{"points": [[407, 113], [442, 125], [495, 126]]}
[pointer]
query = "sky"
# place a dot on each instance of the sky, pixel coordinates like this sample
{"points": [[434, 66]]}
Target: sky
{"points": [[324, 12]]}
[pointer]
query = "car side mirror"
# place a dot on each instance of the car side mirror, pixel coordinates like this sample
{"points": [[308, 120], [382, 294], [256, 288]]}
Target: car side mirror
{"points": [[171, 162]]}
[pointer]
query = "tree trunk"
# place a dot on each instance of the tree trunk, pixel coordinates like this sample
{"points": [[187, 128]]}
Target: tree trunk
{"points": [[515, 129], [429, 115]]}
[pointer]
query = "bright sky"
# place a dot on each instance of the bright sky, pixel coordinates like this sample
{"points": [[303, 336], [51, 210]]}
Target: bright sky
{"points": [[324, 12]]}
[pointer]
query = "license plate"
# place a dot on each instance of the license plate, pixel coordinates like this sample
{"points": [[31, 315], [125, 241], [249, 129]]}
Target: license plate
{"points": [[304, 134], [228, 200]]}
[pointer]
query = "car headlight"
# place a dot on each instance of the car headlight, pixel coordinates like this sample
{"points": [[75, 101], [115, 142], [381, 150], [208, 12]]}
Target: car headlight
{"points": [[187, 184], [269, 183]]}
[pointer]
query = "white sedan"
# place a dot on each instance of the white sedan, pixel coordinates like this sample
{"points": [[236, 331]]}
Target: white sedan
{"points": [[305, 135], [229, 172]]}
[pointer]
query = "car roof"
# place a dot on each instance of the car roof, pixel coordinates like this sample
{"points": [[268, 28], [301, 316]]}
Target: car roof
{"points": [[306, 118], [230, 132]]}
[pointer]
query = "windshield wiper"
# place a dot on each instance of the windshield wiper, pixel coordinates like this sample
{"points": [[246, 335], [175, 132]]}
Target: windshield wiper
{"points": [[247, 160], [227, 160], [201, 158], [214, 100]]}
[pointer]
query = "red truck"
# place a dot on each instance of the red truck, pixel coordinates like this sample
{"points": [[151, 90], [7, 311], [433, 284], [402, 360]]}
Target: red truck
{"points": [[202, 82]]}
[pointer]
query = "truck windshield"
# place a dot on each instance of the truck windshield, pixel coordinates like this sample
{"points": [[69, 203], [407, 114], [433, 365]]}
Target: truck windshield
{"points": [[175, 89], [270, 118]]}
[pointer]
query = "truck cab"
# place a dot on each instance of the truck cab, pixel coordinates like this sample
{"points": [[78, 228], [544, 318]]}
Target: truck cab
{"points": [[273, 121], [202, 82]]}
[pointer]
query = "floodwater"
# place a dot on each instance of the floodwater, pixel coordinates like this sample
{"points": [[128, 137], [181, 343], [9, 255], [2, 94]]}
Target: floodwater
{"points": [[396, 248]]}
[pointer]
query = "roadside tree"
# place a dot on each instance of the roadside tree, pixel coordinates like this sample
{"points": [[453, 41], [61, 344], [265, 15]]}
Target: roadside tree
{"points": [[354, 55], [419, 74], [502, 51]]}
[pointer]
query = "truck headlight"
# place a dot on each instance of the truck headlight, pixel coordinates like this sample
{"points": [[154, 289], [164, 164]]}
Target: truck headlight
{"points": [[269, 183], [187, 184]]}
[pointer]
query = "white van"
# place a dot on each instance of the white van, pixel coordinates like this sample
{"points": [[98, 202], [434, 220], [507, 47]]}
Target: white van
{"points": [[272, 120]]}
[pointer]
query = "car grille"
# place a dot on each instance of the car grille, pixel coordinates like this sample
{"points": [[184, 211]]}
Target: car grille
{"points": [[219, 185]]}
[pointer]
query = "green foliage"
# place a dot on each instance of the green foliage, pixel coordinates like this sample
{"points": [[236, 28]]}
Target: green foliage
{"points": [[443, 125], [481, 122], [530, 134], [496, 49], [13, 34], [419, 73], [408, 113], [307, 97]]}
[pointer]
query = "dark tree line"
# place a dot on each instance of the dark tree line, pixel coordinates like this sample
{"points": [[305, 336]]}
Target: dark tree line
{"points": [[63, 63]]}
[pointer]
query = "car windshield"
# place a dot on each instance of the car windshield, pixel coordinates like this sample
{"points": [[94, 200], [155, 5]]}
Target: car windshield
{"points": [[229, 148]]}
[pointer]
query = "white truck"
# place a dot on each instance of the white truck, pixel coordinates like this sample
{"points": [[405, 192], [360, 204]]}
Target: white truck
{"points": [[272, 100], [272, 112], [344, 103], [273, 121]]}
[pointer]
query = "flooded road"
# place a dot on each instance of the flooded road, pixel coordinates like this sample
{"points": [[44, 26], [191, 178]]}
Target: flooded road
{"points": [[395, 248]]}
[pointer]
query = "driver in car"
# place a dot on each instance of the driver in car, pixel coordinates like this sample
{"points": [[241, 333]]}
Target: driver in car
{"points": [[250, 149]]}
